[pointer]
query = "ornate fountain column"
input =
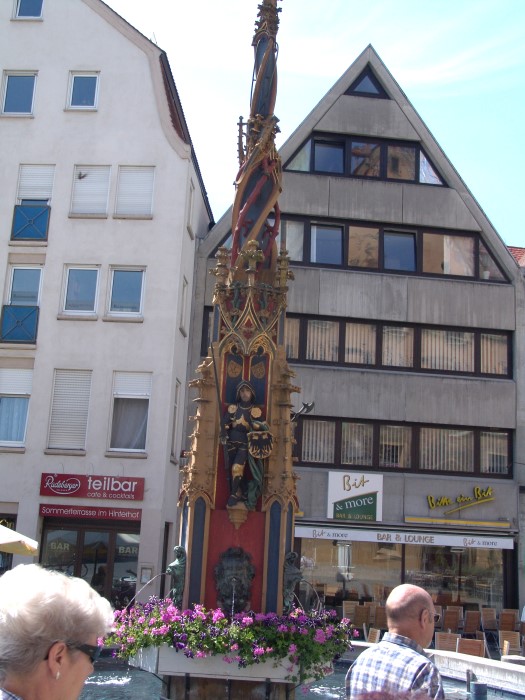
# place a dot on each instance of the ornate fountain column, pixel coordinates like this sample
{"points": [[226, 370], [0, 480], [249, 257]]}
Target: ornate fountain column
{"points": [[238, 490]]}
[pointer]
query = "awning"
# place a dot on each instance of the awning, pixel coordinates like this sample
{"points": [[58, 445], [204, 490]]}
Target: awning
{"points": [[13, 542], [323, 531]]}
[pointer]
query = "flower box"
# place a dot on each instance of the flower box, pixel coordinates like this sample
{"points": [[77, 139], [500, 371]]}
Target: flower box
{"points": [[147, 659], [176, 663]]}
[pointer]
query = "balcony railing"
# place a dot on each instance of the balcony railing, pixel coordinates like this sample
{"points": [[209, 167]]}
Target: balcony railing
{"points": [[30, 222], [19, 324]]}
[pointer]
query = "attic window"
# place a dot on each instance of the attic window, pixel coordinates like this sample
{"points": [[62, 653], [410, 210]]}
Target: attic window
{"points": [[367, 85]]}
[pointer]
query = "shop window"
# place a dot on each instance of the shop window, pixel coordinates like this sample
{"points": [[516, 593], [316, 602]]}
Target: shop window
{"points": [[322, 342], [360, 343], [399, 251], [444, 449], [131, 393]]}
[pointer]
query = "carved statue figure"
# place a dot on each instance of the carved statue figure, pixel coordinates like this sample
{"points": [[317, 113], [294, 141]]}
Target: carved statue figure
{"points": [[248, 441], [177, 569], [291, 577], [233, 580]]}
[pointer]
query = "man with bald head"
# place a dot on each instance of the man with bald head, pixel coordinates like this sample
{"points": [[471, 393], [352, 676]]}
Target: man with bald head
{"points": [[399, 663]]}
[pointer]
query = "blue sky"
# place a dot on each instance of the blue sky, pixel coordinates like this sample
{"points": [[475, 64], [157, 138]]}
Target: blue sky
{"points": [[461, 63]]}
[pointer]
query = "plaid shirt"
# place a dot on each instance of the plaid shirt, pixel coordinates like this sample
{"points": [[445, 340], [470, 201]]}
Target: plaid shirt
{"points": [[6, 695], [396, 664]]}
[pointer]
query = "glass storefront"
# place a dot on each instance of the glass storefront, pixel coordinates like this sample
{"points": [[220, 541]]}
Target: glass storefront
{"points": [[105, 557], [334, 571]]}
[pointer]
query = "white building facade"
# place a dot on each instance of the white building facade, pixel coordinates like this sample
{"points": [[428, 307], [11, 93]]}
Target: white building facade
{"points": [[102, 204]]}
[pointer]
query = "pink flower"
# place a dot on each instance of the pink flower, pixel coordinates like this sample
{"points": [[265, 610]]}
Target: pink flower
{"points": [[320, 636], [201, 654], [258, 651], [217, 615], [292, 649], [234, 647], [247, 621]]}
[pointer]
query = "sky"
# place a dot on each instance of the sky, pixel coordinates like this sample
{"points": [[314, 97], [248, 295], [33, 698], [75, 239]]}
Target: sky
{"points": [[461, 64]]}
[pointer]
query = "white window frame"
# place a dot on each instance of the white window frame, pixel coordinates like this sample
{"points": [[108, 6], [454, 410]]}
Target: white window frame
{"points": [[80, 312], [130, 385], [17, 384], [93, 202], [20, 74], [135, 189], [12, 269], [68, 416], [16, 12], [125, 314], [71, 83]]}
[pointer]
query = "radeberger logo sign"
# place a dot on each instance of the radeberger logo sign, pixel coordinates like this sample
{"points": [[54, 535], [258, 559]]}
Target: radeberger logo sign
{"points": [[356, 496], [122, 488]]}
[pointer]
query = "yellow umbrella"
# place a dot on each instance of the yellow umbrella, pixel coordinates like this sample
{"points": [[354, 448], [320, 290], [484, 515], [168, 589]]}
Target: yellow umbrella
{"points": [[15, 543]]}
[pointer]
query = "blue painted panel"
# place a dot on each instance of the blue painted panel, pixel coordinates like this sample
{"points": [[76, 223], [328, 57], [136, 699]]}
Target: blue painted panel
{"points": [[19, 324], [30, 222]]}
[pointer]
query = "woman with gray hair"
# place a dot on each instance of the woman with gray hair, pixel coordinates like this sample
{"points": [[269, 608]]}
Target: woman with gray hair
{"points": [[50, 625]]}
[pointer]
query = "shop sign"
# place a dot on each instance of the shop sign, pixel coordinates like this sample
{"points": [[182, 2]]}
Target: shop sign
{"points": [[122, 488], [433, 539], [49, 510], [7, 522], [355, 496], [461, 501]]}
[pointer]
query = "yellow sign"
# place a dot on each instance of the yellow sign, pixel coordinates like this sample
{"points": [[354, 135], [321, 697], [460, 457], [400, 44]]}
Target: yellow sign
{"points": [[480, 495]]}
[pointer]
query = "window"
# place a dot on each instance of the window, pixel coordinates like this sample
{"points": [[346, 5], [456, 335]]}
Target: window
{"points": [[391, 346], [418, 448], [183, 310], [131, 393], [488, 269], [15, 390], [357, 444], [326, 245], [363, 246], [32, 211], [19, 89], [445, 449], [451, 351], [25, 286], [69, 409], [135, 191], [329, 157], [29, 9], [322, 341], [83, 91], [360, 343], [367, 85], [356, 156], [174, 425], [190, 208], [399, 251], [126, 291], [318, 441], [90, 190], [293, 234], [448, 255], [81, 289]]}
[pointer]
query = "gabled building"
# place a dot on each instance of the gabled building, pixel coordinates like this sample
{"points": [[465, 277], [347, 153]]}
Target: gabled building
{"points": [[102, 203], [405, 327]]}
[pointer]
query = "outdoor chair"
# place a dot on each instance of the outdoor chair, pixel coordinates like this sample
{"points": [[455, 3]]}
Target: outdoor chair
{"points": [[450, 620], [361, 616], [474, 647], [446, 641], [513, 638], [374, 635], [380, 618], [508, 621], [349, 607], [471, 623]]}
